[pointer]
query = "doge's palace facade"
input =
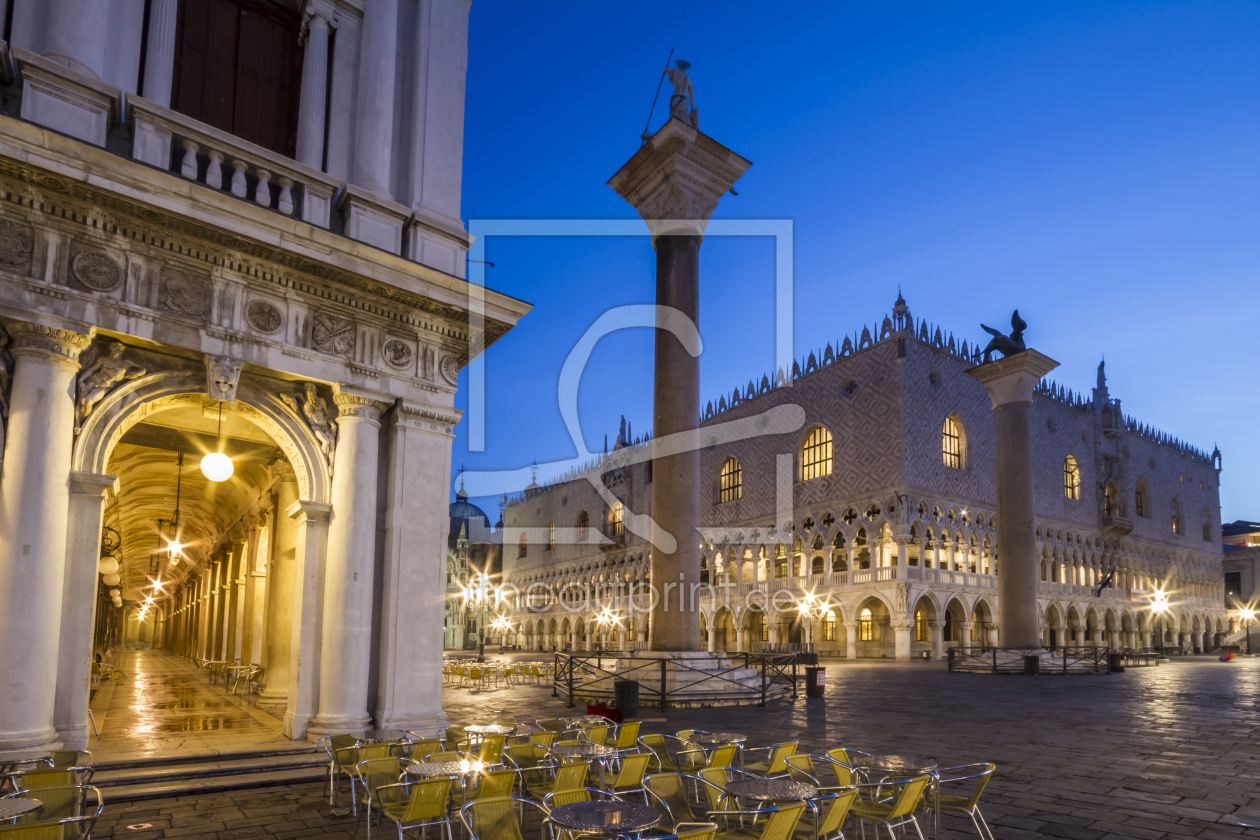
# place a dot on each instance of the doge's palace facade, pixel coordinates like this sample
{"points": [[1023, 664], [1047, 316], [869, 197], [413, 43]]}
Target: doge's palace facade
{"points": [[879, 514], [231, 226]]}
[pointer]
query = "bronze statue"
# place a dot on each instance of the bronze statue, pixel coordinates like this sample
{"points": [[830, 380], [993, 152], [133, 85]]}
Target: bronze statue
{"points": [[1007, 346]]}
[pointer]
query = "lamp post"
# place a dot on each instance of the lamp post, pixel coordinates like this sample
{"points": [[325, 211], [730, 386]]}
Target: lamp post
{"points": [[479, 592], [811, 609], [503, 624], [1247, 614], [606, 620], [1159, 605]]}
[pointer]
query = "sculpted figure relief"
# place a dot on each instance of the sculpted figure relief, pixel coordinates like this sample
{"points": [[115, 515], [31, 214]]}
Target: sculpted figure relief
{"points": [[314, 409], [683, 100], [1004, 345], [223, 374], [97, 379]]}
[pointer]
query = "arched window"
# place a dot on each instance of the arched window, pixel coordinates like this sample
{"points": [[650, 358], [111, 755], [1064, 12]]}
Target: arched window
{"points": [[920, 626], [866, 626], [951, 443], [829, 627], [1140, 503], [1111, 500], [730, 481], [551, 535], [584, 525], [1207, 525], [524, 547], [817, 565], [780, 561], [1178, 522], [616, 515], [761, 628], [1071, 479], [816, 454]]}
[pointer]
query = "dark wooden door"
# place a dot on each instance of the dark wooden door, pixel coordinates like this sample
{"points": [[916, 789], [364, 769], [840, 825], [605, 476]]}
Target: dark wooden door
{"points": [[238, 68]]}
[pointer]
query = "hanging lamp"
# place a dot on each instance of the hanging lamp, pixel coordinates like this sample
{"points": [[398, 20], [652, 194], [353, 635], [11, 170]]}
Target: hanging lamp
{"points": [[173, 545], [215, 465]]}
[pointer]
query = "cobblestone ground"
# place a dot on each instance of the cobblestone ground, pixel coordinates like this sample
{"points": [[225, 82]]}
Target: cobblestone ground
{"points": [[1153, 753]]}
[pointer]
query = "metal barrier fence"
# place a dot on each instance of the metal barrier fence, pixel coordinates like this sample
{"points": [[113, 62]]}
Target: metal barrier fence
{"points": [[774, 671], [1059, 660]]}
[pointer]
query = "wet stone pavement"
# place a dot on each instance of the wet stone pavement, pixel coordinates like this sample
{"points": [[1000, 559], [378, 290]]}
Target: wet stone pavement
{"points": [[1153, 753]]}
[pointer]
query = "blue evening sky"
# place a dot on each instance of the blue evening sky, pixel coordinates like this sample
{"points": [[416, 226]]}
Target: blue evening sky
{"points": [[1096, 165]]}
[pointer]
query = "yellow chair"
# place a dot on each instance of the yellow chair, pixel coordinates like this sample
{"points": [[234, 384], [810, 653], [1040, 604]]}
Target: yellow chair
{"points": [[715, 789], [494, 784], [629, 778], [45, 779], [969, 804], [496, 819], [425, 806], [559, 799], [668, 796], [378, 778], [627, 737], [490, 750], [416, 749], [32, 831], [543, 739], [779, 823], [343, 755], [776, 760], [566, 777], [71, 809], [723, 756], [453, 736], [685, 756], [898, 800], [826, 815], [594, 734]]}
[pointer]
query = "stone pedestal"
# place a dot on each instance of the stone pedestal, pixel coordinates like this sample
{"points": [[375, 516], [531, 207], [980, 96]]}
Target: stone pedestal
{"points": [[1010, 383], [675, 181]]}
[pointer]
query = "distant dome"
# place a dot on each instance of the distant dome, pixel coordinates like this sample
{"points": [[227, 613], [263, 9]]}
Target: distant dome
{"points": [[463, 510]]}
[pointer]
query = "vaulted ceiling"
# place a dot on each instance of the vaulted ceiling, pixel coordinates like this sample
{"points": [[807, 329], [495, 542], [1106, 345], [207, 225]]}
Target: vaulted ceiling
{"points": [[146, 462]]}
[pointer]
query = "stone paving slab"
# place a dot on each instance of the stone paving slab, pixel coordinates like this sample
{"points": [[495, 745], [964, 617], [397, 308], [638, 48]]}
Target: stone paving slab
{"points": [[1153, 754]]}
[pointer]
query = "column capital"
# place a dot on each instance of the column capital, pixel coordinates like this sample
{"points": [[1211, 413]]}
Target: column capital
{"points": [[94, 484], [676, 179], [359, 405], [1012, 379], [315, 512], [28, 338]]}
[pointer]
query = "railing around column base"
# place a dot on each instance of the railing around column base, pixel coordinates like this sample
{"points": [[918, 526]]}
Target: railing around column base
{"points": [[1059, 660]]}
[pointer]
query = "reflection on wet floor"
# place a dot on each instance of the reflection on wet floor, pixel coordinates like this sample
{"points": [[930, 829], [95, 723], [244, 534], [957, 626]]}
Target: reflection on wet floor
{"points": [[165, 706]]}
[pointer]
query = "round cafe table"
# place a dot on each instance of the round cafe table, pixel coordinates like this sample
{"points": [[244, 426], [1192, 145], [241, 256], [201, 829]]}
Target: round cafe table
{"points": [[584, 720], [490, 729], [721, 739], [625, 818], [901, 766], [591, 752], [772, 790], [11, 809]]}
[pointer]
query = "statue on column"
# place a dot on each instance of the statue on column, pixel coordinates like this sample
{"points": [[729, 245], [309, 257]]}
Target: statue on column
{"points": [[683, 103], [314, 409], [1007, 346], [102, 375]]}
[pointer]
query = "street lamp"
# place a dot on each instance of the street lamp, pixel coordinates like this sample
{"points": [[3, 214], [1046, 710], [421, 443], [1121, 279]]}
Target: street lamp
{"points": [[479, 592], [607, 620], [1247, 614], [1159, 605], [503, 624], [811, 609]]}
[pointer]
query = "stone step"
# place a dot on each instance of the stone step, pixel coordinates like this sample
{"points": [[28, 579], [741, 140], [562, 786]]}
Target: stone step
{"points": [[189, 774], [163, 787]]}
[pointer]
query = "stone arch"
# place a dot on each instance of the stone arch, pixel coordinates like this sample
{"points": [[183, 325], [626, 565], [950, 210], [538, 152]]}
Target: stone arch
{"points": [[133, 401]]}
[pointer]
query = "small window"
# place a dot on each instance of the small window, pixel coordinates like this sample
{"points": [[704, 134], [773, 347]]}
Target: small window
{"points": [[1207, 525], [524, 548], [730, 481], [1071, 479], [829, 627], [1233, 583], [1139, 499], [816, 454], [866, 626], [1111, 500], [584, 526], [920, 626], [951, 443], [551, 535], [1178, 523], [616, 517]]}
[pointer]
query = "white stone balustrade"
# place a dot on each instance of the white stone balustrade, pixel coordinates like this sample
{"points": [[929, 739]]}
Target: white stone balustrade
{"points": [[302, 192]]}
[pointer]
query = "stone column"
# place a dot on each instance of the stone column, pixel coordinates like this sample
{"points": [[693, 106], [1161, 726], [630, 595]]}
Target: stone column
{"points": [[346, 645], [309, 561], [1010, 384], [76, 34], [34, 506], [280, 593], [203, 615], [938, 639], [902, 639], [850, 639], [374, 120], [311, 116], [675, 181], [159, 56], [89, 493], [965, 632], [256, 593], [417, 520]]}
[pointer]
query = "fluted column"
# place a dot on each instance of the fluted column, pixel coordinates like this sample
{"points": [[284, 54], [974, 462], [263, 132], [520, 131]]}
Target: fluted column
{"points": [[159, 56], [34, 506], [280, 594], [374, 121], [311, 111], [76, 34], [347, 628]]}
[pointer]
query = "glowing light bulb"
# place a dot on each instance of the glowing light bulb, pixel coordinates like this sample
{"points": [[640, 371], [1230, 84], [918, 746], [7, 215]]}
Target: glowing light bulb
{"points": [[217, 467]]}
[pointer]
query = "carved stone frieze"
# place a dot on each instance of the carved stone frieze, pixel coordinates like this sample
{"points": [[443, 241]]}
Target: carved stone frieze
{"points": [[184, 293], [17, 241], [313, 409], [332, 334], [397, 353], [96, 271], [450, 368], [223, 375], [105, 368], [264, 316], [428, 362]]}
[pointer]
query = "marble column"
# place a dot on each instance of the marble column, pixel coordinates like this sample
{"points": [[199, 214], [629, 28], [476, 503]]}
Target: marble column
{"points": [[938, 638], [280, 593], [310, 558], [89, 494], [902, 639], [76, 34], [204, 631], [159, 56], [674, 181], [311, 111], [256, 593], [1010, 382], [239, 586], [850, 639], [965, 633], [413, 589], [34, 506], [374, 120], [346, 640]]}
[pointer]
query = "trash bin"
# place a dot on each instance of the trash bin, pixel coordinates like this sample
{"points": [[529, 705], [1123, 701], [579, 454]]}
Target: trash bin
{"points": [[1115, 663], [1032, 665], [815, 681], [626, 693], [927, 655]]}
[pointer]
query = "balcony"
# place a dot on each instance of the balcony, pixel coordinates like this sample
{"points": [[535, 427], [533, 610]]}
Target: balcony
{"points": [[1116, 526]]}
